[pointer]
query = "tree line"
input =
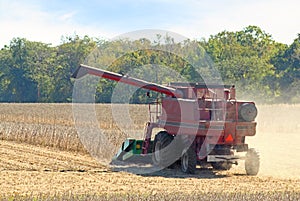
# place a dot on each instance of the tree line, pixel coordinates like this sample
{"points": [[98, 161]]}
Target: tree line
{"points": [[261, 68]]}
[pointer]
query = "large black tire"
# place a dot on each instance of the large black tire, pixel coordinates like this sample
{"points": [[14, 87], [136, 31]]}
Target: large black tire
{"points": [[162, 152], [188, 161], [252, 162], [221, 165]]}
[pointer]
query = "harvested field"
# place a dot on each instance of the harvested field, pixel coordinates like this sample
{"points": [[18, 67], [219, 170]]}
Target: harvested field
{"points": [[42, 157]]}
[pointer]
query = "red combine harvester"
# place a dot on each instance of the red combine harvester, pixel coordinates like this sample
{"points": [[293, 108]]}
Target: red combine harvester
{"points": [[201, 124]]}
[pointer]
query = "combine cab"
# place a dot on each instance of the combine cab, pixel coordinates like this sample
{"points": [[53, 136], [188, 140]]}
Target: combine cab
{"points": [[200, 123]]}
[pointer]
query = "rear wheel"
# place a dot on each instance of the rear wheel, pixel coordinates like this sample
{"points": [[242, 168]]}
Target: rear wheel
{"points": [[162, 152], [252, 162], [188, 161]]}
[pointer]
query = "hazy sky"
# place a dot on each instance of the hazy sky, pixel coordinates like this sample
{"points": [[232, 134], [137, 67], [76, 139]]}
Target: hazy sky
{"points": [[48, 20]]}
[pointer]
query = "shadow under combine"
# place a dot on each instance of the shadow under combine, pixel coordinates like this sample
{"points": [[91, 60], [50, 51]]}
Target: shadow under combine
{"points": [[144, 167]]}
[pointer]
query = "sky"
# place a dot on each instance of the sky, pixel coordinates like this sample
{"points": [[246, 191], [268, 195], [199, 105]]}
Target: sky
{"points": [[48, 21]]}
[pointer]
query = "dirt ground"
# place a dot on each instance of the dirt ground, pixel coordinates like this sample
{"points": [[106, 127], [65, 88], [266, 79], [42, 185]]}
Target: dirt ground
{"points": [[27, 169]]}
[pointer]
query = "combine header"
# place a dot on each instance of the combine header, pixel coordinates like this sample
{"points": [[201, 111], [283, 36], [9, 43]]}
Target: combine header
{"points": [[200, 123]]}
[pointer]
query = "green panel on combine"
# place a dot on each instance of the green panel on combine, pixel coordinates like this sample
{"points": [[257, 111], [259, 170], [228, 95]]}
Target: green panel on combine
{"points": [[129, 148]]}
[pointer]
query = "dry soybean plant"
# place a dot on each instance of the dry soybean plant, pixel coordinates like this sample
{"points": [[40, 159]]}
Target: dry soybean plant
{"points": [[52, 125]]}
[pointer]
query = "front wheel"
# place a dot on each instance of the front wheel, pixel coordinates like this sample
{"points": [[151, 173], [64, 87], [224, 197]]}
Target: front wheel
{"points": [[188, 161], [252, 162], [162, 149]]}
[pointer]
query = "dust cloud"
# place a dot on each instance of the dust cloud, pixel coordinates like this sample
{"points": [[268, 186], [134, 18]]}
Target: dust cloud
{"points": [[278, 140]]}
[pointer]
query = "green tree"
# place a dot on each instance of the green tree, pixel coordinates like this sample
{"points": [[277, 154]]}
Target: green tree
{"points": [[288, 64], [260, 67], [16, 65], [243, 58], [26, 71], [148, 60], [72, 52]]}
